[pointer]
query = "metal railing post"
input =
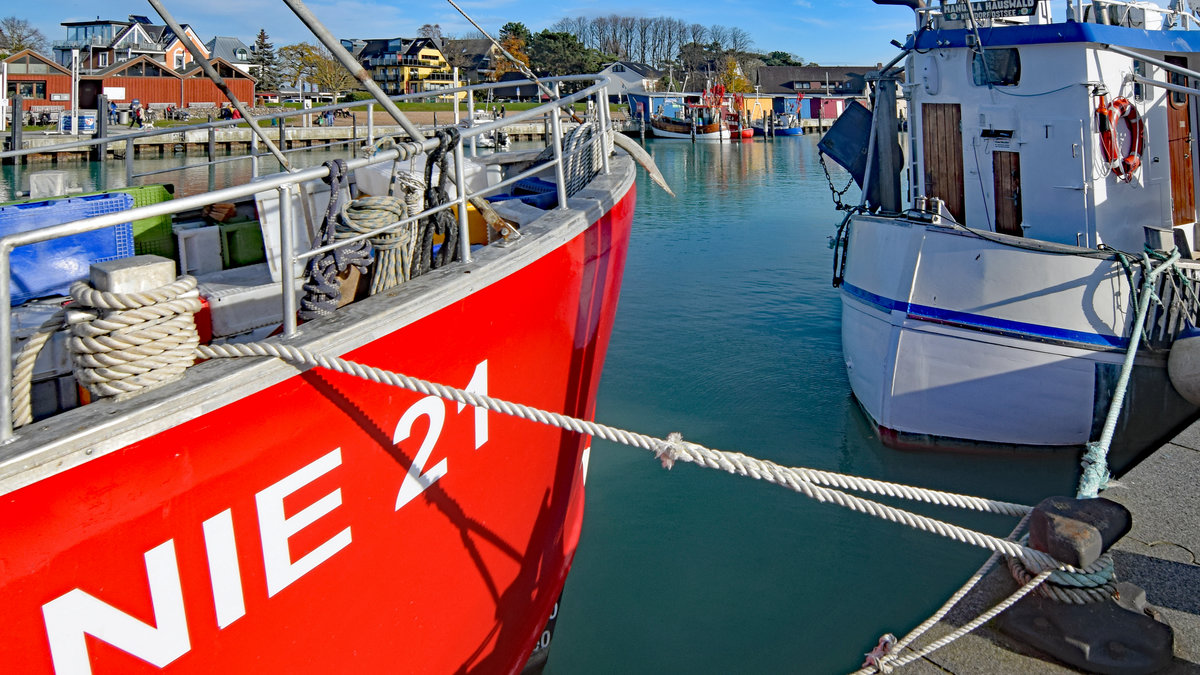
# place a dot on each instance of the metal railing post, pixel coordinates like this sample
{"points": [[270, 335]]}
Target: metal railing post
{"points": [[6, 347], [287, 272], [253, 156], [371, 124], [471, 116], [556, 126], [464, 227], [602, 113]]}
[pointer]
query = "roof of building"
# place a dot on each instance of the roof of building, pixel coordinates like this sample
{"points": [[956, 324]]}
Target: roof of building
{"points": [[228, 48], [20, 56], [224, 68], [478, 51], [118, 69], [645, 70], [779, 79]]}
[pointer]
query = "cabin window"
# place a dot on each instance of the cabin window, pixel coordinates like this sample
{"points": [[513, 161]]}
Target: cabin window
{"points": [[27, 89], [1178, 98], [1140, 91], [996, 67]]}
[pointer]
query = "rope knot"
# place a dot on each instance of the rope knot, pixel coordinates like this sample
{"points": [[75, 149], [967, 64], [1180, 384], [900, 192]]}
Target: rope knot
{"points": [[670, 450], [878, 657]]}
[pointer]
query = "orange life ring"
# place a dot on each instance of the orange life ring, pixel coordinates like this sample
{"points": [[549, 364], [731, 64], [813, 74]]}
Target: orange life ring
{"points": [[1122, 108]]}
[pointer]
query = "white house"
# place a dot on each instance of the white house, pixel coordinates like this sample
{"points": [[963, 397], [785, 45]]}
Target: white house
{"points": [[630, 77]]}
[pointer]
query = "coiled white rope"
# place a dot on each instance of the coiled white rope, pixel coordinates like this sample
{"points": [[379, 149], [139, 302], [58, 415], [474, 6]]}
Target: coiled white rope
{"points": [[120, 343]]}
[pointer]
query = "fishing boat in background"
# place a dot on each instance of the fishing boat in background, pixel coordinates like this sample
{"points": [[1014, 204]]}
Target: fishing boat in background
{"points": [[1052, 191], [781, 124], [677, 118], [236, 513], [736, 118]]}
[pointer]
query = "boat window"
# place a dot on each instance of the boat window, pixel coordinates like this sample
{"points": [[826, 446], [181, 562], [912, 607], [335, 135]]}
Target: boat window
{"points": [[996, 67], [1178, 98], [1140, 91]]}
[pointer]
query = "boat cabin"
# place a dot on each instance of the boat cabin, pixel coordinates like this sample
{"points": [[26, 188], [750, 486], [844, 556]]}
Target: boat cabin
{"points": [[1065, 122]]}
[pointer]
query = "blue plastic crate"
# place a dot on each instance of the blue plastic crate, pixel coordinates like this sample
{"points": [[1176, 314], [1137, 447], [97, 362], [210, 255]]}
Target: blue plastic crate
{"points": [[533, 191], [49, 267]]}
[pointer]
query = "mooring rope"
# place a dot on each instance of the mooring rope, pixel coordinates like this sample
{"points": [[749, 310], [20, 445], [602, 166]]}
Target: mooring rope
{"points": [[123, 342], [322, 292]]}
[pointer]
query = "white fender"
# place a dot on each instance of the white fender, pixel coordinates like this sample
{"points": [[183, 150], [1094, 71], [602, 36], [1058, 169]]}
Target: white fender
{"points": [[1183, 365]]}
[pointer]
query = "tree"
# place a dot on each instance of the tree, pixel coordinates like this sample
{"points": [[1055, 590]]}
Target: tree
{"points": [[514, 37], [561, 53], [298, 62], [778, 58], [18, 35], [329, 74], [265, 63], [515, 29], [430, 30], [732, 79]]}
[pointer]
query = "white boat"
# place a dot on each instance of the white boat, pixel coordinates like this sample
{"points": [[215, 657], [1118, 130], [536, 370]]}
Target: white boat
{"points": [[995, 301], [496, 139]]}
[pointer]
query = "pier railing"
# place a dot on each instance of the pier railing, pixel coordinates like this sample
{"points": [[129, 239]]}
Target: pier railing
{"points": [[178, 134], [287, 184]]}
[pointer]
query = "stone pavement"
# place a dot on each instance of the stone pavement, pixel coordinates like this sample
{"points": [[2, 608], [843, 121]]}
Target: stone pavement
{"points": [[1159, 554]]}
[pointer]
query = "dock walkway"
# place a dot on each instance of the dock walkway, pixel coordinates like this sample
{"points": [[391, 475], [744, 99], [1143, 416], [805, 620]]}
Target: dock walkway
{"points": [[1159, 554]]}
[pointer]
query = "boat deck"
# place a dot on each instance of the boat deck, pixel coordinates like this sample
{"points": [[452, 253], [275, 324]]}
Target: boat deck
{"points": [[1159, 554]]}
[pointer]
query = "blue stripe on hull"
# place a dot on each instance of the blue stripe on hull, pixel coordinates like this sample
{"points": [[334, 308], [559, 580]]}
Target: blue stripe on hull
{"points": [[1019, 329]]}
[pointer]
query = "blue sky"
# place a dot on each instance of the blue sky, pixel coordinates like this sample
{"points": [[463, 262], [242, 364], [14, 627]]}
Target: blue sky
{"points": [[829, 32]]}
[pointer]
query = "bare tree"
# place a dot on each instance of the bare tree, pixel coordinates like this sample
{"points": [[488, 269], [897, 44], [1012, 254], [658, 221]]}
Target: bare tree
{"points": [[719, 36], [329, 74], [644, 33], [740, 41], [430, 30], [18, 35]]}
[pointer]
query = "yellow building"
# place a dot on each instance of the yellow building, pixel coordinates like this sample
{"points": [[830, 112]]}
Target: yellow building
{"points": [[403, 65]]}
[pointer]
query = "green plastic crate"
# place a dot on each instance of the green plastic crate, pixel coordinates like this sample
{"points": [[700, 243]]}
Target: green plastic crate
{"points": [[242, 244]]}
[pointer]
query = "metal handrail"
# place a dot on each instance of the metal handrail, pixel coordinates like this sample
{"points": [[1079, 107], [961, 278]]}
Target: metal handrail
{"points": [[285, 183]]}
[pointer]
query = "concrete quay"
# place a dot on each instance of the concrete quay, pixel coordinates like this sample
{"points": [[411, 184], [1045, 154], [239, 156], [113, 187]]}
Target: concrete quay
{"points": [[1159, 555]]}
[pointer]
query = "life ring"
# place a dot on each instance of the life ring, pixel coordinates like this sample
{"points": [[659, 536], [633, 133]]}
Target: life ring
{"points": [[1123, 166]]}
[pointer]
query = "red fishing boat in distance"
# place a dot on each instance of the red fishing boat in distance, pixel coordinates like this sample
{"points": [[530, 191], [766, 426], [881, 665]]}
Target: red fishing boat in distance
{"points": [[254, 515]]}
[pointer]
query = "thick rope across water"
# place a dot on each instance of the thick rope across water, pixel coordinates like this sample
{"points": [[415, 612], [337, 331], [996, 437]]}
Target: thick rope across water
{"points": [[672, 449]]}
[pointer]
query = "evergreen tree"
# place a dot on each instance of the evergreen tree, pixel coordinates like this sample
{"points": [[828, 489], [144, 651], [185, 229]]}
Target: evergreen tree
{"points": [[266, 66]]}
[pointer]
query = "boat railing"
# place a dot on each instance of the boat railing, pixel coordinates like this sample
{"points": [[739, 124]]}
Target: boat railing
{"points": [[1130, 13], [1179, 293], [288, 184], [181, 134]]}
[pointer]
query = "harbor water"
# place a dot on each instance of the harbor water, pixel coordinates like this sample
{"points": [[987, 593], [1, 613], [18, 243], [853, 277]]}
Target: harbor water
{"points": [[728, 331]]}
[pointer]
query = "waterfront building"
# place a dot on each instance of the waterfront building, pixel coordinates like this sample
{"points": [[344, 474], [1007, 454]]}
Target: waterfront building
{"points": [[630, 77], [403, 65], [103, 43]]}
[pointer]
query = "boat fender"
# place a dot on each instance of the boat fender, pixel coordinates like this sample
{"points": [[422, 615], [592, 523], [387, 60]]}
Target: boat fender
{"points": [[1123, 166], [1183, 365]]}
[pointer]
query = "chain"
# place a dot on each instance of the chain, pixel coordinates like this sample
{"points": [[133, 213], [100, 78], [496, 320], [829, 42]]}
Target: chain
{"points": [[837, 194]]}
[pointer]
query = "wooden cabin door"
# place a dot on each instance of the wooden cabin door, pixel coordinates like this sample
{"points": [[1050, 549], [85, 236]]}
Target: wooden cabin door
{"points": [[1006, 183], [1179, 148], [941, 125]]}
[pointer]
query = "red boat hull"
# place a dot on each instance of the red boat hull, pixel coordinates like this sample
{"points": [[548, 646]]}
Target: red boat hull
{"points": [[327, 524]]}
